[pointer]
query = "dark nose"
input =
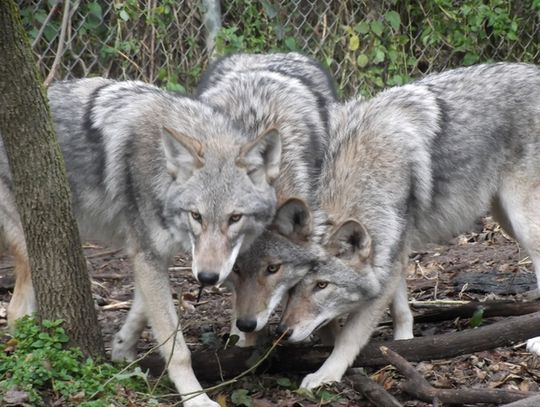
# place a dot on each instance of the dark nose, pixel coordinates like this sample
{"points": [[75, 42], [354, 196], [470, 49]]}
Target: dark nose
{"points": [[207, 278], [283, 329], [246, 325]]}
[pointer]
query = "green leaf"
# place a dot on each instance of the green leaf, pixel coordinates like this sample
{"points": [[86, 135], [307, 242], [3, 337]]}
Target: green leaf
{"points": [[124, 15], [379, 56], [94, 9], [290, 43], [477, 318], [470, 58], [240, 397], [354, 42], [362, 60], [393, 18], [231, 341], [362, 27], [284, 382], [377, 27]]}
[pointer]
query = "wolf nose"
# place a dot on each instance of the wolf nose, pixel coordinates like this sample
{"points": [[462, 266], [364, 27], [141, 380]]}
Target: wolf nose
{"points": [[207, 278], [281, 329], [246, 325]]}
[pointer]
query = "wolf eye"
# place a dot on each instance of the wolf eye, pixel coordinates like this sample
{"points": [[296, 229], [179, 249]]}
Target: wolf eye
{"points": [[236, 269], [234, 218], [196, 216], [321, 285], [273, 268]]}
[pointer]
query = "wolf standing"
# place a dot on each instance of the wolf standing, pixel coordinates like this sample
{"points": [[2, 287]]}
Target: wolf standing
{"points": [[415, 164], [139, 160]]}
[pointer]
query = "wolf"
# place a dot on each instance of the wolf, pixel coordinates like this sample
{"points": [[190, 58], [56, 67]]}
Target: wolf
{"points": [[417, 163], [145, 168], [287, 90]]}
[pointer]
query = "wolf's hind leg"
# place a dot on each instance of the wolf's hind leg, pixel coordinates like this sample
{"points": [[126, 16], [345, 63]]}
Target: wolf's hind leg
{"points": [[23, 301], [124, 345], [519, 200]]}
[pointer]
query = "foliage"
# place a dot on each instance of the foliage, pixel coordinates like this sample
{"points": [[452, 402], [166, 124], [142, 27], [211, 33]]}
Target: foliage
{"points": [[366, 48], [36, 360]]}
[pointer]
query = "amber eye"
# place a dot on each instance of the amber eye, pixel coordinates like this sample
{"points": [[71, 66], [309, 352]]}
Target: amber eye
{"points": [[321, 285], [236, 269], [235, 218], [196, 216], [273, 268]]}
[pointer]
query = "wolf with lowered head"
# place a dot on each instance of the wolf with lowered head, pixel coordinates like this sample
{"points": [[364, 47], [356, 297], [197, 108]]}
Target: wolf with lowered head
{"points": [[415, 164]]}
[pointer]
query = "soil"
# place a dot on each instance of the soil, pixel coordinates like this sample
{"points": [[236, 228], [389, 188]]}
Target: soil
{"points": [[478, 266]]}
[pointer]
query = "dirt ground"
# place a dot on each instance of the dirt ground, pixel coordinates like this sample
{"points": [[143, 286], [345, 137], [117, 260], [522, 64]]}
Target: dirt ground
{"points": [[476, 266]]}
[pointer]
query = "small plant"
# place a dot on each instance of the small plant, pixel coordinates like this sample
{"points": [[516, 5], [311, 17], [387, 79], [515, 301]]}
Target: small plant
{"points": [[36, 361]]}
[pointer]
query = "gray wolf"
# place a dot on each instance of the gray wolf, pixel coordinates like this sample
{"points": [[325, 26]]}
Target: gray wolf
{"points": [[417, 163], [291, 92], [146, 168], [258, 91]]}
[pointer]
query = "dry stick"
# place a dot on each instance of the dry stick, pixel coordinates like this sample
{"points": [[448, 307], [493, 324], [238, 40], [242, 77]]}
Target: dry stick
{"points": [[420, 388], [45, 23], [60, 49], [374, 392], [490, 309], [103, 253], [304, 359]]}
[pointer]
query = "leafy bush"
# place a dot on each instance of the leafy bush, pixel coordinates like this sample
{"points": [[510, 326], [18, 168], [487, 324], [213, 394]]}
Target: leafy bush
{"points": [[36, 361]]}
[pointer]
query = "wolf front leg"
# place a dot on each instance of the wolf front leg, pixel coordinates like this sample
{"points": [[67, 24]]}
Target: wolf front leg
{"points": [[124, 346], [152, 281], [351, 339]]}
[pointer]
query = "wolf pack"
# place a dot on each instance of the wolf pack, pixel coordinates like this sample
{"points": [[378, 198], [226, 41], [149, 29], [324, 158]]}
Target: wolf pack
{"points": [[288, 195]]}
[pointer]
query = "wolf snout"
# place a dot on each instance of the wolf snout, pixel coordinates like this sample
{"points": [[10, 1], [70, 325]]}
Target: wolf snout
{"points": [[246, 324], [207, 277], [284, 330]]}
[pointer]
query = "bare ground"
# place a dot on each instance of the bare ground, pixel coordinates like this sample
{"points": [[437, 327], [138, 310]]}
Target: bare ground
{"points": [[475, 266]]}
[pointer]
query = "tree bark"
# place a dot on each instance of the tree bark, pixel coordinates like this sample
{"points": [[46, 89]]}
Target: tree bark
{"points": [[42, 192]]}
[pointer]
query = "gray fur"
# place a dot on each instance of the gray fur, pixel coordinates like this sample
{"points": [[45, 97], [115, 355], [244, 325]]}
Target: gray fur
{"points": [[417, 163], [134, 185]]}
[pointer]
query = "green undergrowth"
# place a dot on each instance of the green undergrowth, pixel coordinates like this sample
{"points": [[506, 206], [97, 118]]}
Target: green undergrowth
{"points": [[37, 368]]}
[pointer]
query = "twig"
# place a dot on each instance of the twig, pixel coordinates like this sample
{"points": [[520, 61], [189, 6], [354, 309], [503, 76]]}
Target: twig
{"points": [[103, 253], [374, 392], [60, 49], [419, 387], [117, 305], [45, 23]]}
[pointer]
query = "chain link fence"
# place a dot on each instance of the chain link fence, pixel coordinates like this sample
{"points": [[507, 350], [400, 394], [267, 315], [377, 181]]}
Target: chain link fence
{"points": [[366, 44]]}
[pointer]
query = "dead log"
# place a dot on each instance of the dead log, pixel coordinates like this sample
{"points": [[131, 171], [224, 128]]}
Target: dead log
{"points": [[298, 359], [417, 386], [490, 308]]}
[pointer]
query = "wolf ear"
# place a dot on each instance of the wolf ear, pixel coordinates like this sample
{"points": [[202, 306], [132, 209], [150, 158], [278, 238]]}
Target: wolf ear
{"points": [[293, 220], [261, 157], [351, 242], [184, 154]]}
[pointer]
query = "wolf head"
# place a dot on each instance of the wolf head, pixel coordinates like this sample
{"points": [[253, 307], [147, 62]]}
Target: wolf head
{"points": [[341, 281], [222, 196], [273, 264]]}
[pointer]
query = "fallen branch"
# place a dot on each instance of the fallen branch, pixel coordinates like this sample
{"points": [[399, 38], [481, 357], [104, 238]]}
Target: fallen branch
{"points": [[374, 392], [306, 359], [417, 386], [490, 308]]}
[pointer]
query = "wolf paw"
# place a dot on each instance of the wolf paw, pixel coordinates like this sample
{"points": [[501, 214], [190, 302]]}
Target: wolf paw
{"points": [[200, 401], [314, 380], [120, 352], [533, 345]]}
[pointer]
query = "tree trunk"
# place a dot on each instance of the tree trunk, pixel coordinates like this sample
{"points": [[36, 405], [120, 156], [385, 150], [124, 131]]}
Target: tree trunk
{"points": [[42, 192]]}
